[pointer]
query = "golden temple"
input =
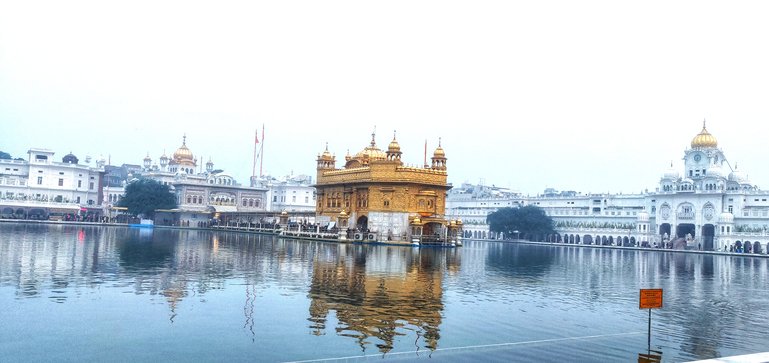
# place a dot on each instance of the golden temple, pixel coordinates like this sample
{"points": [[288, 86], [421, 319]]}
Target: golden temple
{"points": [[375, 197]]}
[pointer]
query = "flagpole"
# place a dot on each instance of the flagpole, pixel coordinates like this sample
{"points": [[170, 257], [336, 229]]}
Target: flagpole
{"points": [[261, 152], [256, 141]]}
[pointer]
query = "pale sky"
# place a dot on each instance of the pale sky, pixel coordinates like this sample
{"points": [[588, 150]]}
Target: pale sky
{"points": [[573, 95]]}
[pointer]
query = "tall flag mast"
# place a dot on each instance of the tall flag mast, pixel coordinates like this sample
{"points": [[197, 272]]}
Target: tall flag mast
{"points": [[261, 152], [256, 141]]}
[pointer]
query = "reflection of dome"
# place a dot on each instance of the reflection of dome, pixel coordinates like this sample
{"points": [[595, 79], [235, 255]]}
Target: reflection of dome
{"points": [[726, 217], [183, 153], [643, 216], [704, 139], [70, 159]]}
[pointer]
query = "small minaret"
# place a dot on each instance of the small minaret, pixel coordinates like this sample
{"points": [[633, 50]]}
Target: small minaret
{"points": [[326, 160], [439, 158], [147, 162], [394, 150]]}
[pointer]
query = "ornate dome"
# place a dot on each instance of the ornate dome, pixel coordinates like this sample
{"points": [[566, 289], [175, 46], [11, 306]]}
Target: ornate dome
{"points": [[726, 217], [738, 176], [394, 146], [183, 153], [715, 171], [370, 153], [326, 154], [704, 139], [671, 173], [70, 159], [439, 153]]}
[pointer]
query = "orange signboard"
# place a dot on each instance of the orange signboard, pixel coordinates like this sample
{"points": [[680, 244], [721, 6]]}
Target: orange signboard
{"points": [[650, 299]]}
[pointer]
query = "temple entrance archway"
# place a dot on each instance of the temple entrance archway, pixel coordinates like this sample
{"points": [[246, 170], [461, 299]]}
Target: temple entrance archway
{"points": [[362, 223], [685, 228]]}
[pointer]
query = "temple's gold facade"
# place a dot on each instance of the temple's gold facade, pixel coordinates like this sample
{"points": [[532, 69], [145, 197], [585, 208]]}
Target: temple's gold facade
{"points": [[375, 195]]}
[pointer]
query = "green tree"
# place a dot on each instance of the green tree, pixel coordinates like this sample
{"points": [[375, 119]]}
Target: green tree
{"points": [[530, 220], [144, 196], [4, 155]]}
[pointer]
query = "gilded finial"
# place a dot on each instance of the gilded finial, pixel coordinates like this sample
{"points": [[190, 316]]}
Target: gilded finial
{"points": [[439, 142], [393, 135], [184, 139], [373, 136]]}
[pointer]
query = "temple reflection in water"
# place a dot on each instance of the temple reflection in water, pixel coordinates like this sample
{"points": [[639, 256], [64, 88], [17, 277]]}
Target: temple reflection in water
{"points": [[190, 286], [380, 296]]}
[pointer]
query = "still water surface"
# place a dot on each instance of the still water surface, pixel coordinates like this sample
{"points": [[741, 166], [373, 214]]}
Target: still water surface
{"points": [[74, 293]]}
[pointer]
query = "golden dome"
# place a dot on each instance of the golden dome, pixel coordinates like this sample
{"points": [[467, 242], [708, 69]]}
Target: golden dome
{"points": [[371, 152], [326, 154], [704, 139], [183, 153], [439, 153], [394, 145]]}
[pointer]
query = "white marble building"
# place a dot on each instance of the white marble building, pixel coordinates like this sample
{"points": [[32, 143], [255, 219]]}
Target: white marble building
{"points": [[203, 195], [710, 205], [42, 188]]}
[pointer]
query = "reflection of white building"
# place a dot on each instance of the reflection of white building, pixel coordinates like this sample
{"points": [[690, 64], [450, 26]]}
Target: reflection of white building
{"points": [[41, 187], [710, 205]]}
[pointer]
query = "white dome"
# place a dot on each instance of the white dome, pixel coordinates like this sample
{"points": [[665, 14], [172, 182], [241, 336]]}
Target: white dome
{"points": [[715, 171], [726, 217], [643, 216], [671, 173], [738, 176], [687, 181]]}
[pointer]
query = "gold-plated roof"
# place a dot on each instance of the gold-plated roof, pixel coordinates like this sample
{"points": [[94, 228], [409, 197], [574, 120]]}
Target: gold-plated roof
{"points": [[439, 153], [704, 139], [183, 153], [394, 145], [370, 153], [326, 154]]}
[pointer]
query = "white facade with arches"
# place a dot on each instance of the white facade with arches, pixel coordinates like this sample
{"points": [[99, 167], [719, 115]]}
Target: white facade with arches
{"points": [[709, 205]]}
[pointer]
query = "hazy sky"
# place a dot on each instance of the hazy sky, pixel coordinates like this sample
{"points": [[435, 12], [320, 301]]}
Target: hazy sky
{"points": [[574, 95]]}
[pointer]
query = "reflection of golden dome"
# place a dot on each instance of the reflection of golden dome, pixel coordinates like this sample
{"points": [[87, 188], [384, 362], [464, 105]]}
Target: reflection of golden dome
{"points": [[284, 213], [183, 153], [704, 139]]}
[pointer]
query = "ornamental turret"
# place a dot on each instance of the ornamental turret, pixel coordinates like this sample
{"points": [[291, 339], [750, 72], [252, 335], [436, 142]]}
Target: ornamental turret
{"points": [[394, 150], [147, 162], [439, 158], [326, 160]]}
